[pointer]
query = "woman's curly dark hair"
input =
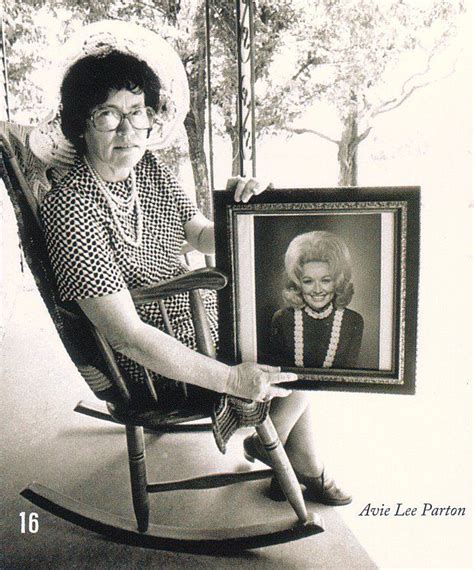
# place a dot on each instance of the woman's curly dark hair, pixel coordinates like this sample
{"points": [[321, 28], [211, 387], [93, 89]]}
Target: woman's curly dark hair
{"points": [[89, 82], [318, 246]]}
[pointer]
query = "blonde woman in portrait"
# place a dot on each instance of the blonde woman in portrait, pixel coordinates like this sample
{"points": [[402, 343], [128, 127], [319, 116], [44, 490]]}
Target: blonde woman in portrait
{"points": [[317, 329]]}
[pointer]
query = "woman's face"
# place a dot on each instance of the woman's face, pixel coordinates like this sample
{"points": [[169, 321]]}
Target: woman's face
{"points": [[114, 153], [317, 284]]}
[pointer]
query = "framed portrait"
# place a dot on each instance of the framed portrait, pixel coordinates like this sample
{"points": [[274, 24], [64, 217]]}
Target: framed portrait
{"points": [[324, 283]]}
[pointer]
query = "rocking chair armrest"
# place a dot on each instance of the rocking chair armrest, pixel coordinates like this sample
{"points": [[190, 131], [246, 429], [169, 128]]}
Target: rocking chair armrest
{"points": [[204, 278], [192, 281]]}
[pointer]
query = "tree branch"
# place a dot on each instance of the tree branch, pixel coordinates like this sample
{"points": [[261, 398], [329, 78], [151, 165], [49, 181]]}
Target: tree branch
{"points": [[363, 135], [395, 102], [398, 102], [311, 60], [420, 73], [302, 131]]}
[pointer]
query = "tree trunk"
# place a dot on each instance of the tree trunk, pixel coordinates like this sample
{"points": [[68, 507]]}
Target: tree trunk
{"points": [[195, 123], [195, 131], [232, 131], [347, 154], [234, 137], [235, 154]]}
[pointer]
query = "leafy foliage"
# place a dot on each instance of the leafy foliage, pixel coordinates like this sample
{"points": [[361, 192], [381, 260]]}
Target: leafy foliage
{"points": [[35, 31], [360, 57], [363, 57]]}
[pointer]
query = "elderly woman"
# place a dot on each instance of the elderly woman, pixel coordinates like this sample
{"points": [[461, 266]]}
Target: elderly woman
{"points": [[118, 220], [317, 330]]}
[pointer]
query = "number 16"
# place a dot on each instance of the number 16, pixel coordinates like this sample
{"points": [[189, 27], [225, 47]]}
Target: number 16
{"points": [[33, 523]]}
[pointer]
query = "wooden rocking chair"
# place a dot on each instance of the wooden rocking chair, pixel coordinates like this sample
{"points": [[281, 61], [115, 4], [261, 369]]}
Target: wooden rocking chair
{"points": [[26, 180]]}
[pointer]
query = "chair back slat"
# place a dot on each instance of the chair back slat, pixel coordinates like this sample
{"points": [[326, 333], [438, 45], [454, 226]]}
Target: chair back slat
{"points": [[111, 363], [150, 385], [165, 317], [204, 342]]}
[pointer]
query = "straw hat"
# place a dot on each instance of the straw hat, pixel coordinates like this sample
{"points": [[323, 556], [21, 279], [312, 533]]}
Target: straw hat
{"points": [[100, 38]]}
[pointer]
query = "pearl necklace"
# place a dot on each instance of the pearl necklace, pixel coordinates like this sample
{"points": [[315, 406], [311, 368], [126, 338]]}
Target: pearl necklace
{"points": [[315, 315], [120, 207], [333, 341]]}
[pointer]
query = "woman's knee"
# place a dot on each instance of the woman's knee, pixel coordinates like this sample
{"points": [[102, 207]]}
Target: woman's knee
{"points": [[297, 400]]}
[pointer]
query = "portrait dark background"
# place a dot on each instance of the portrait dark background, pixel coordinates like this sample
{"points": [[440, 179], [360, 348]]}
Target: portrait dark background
{"points": [[362, 234]]}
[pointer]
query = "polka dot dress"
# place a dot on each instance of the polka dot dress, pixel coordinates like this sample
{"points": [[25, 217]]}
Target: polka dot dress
{"points": [[90, 258]]}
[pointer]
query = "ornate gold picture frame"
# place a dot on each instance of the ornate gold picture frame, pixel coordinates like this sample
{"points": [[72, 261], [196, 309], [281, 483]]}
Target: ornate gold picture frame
{"points": [[369, 343]]}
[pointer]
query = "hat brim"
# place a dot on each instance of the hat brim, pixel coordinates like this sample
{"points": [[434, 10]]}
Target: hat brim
{"points": [[100, 38]]}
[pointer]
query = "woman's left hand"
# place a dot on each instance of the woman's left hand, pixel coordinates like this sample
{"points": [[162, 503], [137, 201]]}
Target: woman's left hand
{"points": [[245, 188]]}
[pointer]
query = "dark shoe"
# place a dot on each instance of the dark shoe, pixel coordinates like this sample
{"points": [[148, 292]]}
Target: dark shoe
{"points": [[324, 490], [253, 450], [320, 489]]}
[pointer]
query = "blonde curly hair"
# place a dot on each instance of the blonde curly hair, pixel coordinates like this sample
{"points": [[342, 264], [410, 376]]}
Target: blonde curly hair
{"points": [[324, 247]]}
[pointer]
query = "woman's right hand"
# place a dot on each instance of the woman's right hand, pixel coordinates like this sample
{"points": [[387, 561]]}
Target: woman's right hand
{"points": [[258, 382]]}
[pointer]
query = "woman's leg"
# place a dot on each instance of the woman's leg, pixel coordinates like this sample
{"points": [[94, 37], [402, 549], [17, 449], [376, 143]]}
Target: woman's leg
{"points": [[285, 413], [293, 421]]}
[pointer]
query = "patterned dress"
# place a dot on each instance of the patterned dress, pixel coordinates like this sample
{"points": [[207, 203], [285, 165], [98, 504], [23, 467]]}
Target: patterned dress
{"points": [[91, 259]]}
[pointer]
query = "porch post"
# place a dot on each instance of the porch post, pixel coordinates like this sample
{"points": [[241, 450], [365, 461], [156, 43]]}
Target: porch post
{"points": [[246, 96], [4, 103]]}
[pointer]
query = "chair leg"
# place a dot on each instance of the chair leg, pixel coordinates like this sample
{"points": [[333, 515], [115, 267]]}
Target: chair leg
{"points": [[282, 467], [138, 478]]}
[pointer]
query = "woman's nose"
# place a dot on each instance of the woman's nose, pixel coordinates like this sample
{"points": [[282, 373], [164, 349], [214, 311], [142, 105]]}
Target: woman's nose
{"points": [[125, 127], [317, 287]]}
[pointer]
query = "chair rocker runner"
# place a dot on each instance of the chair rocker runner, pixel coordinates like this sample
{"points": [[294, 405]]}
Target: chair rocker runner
{"points": [[26, 181]]}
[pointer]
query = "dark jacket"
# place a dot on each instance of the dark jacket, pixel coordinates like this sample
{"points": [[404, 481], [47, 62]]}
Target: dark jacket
{"points": [[316, 335]]}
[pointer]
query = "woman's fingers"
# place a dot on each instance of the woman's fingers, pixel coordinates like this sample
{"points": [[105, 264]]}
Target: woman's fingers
{"points": [[283, 377], [278, 393], [237, 185], [251, 188], [268, 368], [263, 185], [276, 376], [245, 188], [258, 382]]}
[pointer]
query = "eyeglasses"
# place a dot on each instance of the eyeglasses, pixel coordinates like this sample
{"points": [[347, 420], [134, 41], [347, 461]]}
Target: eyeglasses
{"points": [[110, 118]]}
